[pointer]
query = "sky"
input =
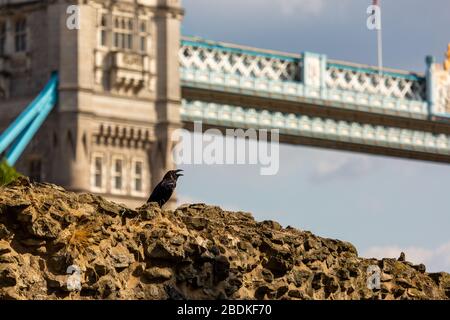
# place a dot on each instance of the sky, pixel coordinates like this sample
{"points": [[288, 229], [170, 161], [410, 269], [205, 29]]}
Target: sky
{"points": [[382, 205]]}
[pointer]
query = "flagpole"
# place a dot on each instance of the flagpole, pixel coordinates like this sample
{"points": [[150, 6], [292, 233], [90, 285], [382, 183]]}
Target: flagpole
{"points": [[380, 45]]}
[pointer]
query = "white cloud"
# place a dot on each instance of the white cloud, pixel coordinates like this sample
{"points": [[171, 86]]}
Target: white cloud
{"points": [[324, 164], [335, 166], [296, 7], [182, 199], [435, 259]]}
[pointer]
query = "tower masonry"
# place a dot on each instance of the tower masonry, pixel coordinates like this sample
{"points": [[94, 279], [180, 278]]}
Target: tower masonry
{"points": [[119, 90]]}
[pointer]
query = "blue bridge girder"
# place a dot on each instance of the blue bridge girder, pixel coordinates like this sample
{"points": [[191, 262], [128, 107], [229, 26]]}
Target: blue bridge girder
{"points": [[19, 134]]}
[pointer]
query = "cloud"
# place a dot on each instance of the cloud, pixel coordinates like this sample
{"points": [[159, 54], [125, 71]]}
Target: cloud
{"points": [[294, 7], [435, 259], [342, 166], [183, 199]]}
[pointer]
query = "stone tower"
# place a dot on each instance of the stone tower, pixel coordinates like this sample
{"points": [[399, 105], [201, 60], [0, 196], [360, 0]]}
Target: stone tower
{"points": [[119, 90]]}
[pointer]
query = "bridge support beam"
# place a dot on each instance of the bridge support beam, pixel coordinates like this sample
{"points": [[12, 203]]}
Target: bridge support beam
{"points": [[430, 90], [314, 72]]}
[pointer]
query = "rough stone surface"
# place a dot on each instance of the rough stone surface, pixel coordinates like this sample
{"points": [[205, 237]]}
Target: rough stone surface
{"points": [[49, 235]]}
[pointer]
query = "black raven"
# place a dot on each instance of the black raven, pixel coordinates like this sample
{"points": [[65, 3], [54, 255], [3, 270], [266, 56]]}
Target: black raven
{"points": [[163, 191]]}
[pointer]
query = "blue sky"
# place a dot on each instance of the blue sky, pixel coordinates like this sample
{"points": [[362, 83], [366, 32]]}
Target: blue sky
{"points": [[382, 205]]}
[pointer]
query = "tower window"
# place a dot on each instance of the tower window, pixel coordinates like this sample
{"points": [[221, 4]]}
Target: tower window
{"points": [[97, 172], [21, 35], [2, 37], [143, 26], [137, 176], [104, 22], [117, 174], [143, 46], [103, 29], [143, 36], [123, 33]]}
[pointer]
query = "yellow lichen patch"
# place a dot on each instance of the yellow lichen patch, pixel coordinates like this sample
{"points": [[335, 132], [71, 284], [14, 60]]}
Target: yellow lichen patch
{"points": [[81, 237], [399, 267]]}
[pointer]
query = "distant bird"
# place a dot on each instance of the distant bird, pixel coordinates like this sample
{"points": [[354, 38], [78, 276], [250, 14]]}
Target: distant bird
{"points": [[163, 191], [402, 257]]}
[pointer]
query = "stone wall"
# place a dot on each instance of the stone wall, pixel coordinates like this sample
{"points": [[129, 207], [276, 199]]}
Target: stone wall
{"points": [[194, 252]]}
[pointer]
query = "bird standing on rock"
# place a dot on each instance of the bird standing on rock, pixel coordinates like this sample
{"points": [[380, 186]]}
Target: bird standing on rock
{"points": [[163, 191]]}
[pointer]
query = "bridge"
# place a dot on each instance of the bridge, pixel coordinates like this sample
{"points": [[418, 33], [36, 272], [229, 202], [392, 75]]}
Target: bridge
{"points": [[310, 99], [315, 101]]}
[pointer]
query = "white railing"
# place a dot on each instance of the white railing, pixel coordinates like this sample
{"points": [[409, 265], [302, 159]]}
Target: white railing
{"points": [[240, 62], [386, 84]]}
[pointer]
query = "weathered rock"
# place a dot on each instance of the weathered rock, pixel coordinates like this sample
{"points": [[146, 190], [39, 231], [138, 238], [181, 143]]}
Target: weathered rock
{"points": [[164, 251], [420, 267], [221, 268], [44, 227], [156, 273], [49, 236], [121, 257], [302, 276], [4, 233], [8, 276], [267, 275], [198, 223], [4, 247], [32, 242], [272, 225]]}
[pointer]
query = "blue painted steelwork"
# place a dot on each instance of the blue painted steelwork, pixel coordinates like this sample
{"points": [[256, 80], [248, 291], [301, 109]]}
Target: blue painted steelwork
{"points": [[431, 96], [24, 127]]}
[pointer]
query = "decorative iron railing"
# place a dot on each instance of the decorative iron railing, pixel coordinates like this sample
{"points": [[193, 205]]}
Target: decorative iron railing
{"points": [[227, 67], [389, 84], [202, 55]]}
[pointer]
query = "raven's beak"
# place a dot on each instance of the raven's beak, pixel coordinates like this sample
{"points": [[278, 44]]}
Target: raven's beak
{"points": [[178, 174]]}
